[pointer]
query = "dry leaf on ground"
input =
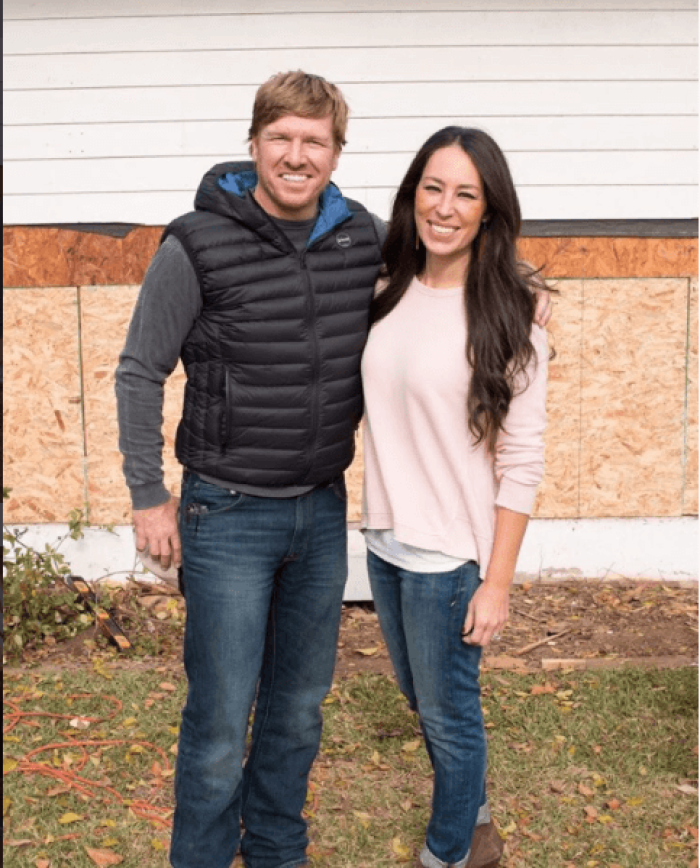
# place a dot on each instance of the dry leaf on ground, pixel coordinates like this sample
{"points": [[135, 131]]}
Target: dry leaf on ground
{"points": [[104, 858], [70, 817]]}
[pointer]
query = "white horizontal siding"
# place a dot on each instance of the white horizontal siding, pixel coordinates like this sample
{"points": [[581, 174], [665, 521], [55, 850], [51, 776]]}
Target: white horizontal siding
{"points": [[353, 29], [32, 9], [538, 203], [112, 114], [377, 100], [226, 139], [530, 168], [344, 65]]}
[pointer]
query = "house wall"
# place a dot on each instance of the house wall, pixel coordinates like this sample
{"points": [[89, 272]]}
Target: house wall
{"points": [[622, 430], [114, 111]]}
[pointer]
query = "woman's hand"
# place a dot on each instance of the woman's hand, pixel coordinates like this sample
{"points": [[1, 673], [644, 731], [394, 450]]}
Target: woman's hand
{"points": [[486, 615]]}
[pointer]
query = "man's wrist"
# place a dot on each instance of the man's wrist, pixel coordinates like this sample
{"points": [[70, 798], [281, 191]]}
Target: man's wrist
{"points": [[149, 495]]}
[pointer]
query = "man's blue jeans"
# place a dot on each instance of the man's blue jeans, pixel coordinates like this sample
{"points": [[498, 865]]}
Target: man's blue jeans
{"points": [[421, 616], [263, 581]]}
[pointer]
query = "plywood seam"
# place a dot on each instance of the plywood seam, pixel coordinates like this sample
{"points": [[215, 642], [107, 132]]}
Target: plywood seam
{"points": [[81, 378], [580, 398], [684, 451]]}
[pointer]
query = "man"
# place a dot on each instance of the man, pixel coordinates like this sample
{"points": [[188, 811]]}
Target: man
{"points": [[264, 292]]}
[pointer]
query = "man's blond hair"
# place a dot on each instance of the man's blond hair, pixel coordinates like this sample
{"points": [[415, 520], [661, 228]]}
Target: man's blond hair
{"points": [[302, 94]]}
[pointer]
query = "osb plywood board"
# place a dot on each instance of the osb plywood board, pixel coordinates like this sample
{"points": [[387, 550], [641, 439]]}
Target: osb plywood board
{"points": [[353, 481], [43, 438], [558, 495], [106, 313], [690, 489], [612, 257], [633, 397], [35, 256], [51, 256]]}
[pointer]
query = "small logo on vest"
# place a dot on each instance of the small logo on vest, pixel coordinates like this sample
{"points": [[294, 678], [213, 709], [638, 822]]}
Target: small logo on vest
{"points": [[343, 240]]}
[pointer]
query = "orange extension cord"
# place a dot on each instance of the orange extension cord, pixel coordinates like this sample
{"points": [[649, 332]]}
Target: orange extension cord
{"points": [[71, 778]]}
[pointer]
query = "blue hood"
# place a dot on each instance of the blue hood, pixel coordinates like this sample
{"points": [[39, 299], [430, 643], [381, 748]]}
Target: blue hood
{"points": [[332, 207]]}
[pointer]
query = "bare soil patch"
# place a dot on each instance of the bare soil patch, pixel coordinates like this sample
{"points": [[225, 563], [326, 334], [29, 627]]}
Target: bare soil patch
{"points": [[600, 622]]}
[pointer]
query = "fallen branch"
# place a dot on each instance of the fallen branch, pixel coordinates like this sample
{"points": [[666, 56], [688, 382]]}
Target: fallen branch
{"points": [[531, 647], [528, 615]]}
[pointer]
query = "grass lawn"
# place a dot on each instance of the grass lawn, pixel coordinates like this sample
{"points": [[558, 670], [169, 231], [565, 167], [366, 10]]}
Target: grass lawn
{"points": [[586, 769]]}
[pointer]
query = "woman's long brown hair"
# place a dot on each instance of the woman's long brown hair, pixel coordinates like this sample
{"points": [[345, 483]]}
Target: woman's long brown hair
{"points": [[500, 304]]}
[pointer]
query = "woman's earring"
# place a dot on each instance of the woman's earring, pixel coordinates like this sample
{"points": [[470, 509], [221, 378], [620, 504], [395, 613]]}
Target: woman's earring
{"points": [[417, 239]]}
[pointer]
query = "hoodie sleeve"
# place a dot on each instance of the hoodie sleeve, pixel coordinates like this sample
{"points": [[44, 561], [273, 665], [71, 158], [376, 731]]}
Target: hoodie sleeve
{"points": [[519, 463], [168, 305]]}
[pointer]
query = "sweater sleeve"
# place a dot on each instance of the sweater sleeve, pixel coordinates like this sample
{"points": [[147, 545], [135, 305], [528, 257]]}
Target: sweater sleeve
{"points": [[519, 463], [168, 304]]}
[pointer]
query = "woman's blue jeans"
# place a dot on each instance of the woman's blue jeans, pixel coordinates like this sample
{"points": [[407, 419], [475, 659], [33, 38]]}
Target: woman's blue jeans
{"points": [[263, 582], [421, 616]]}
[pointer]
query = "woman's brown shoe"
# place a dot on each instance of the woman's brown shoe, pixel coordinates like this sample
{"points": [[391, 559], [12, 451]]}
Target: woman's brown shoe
{"points": [[487, 847]]}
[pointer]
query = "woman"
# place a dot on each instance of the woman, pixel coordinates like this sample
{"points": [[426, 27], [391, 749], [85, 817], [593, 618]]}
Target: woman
{"points": [[454, 375]]}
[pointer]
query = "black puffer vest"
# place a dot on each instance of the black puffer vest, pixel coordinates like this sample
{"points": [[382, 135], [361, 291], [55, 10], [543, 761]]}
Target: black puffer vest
{"points": [[273, 392]]}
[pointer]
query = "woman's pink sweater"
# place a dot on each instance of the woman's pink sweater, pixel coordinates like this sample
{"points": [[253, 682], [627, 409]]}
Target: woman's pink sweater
{"points": [[424, 476]]}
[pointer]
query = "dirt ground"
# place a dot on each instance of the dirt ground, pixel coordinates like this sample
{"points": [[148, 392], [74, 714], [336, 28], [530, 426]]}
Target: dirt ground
{"points": [[562, 624], [553, 624]]}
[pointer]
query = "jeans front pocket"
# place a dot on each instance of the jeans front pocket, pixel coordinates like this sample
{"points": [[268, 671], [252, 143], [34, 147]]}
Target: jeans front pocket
{"points": [[203, 500], [469, 582]]}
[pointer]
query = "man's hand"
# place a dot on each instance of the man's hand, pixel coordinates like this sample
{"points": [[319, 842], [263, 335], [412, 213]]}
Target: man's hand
{"points": [[156, 530]]}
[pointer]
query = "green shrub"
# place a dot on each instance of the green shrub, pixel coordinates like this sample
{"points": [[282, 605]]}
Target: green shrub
{"points": [[36, 603]]}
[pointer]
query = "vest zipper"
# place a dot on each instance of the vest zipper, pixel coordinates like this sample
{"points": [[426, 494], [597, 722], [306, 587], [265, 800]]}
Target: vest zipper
{"points": [[315, 367], [316, 361]]}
